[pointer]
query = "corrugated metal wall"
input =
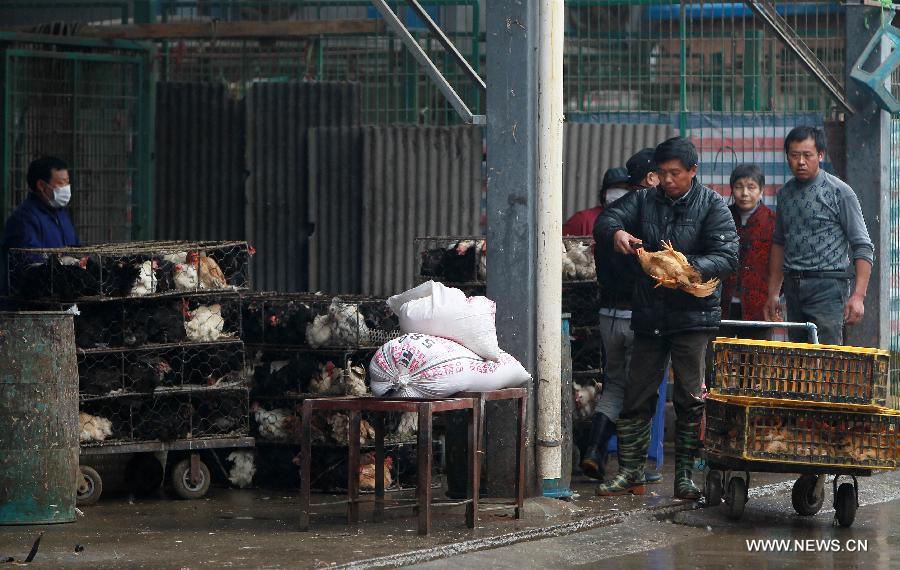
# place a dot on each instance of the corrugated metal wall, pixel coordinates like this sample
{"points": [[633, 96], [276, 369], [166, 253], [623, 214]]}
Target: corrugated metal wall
{"points": [[335, 208], [279, 116], [199, 162], [589, 149], [418, 181]]}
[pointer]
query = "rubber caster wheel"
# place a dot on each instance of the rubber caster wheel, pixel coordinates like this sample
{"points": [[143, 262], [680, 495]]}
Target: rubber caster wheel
{"points": [[182, 484], [804, 497], [845, 504], [713, 489], [90, 487], [736, 498]]}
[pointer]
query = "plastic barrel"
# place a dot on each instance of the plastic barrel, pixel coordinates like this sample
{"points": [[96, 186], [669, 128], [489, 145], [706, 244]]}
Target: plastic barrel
{"points": [[38, 418]]}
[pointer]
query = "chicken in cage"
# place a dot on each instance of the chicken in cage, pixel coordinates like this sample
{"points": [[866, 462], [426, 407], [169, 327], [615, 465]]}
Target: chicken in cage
{"points": [[452, 259], [317, 321], [137, 269], [106, 420]]}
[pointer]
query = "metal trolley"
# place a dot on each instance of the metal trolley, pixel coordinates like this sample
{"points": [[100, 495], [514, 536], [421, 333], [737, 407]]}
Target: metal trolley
{"points": [[814, 410]]}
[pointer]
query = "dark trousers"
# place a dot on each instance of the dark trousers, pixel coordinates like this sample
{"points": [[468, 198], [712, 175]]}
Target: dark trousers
{"points": [[649, 357], [820, 301]]}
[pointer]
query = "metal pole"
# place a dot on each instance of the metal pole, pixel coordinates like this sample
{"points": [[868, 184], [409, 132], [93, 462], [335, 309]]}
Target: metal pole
{"points": [[868, 173], [549, 240], [511, 66]]}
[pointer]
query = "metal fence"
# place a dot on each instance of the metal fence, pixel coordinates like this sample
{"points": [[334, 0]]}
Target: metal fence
{"points": [[86, 104]]}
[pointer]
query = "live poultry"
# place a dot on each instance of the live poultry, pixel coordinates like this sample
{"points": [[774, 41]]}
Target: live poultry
{"points": [[348, 326], [671, 269], [243, 468], [408, 426], [145, 374], [367, 471], [93, 428], [569, 272], [277, 425], [186, 278], [205, 323], [354, 380], [327, 380], [340, 429], [585, 396], [318, 332], [459, 263], [146, 281], [159, 323], [579, 253], [211, 276]]}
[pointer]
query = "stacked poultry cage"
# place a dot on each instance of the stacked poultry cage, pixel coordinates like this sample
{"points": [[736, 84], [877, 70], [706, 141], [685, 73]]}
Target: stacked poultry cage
{"points": [[303, 345], [798, 408], [158, 337], [461, 262]]}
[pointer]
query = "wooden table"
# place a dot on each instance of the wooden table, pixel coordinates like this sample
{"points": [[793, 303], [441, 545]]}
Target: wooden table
{"points": [[378, 407]]}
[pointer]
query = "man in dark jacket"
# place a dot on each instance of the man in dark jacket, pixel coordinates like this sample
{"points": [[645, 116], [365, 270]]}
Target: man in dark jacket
{"points": [[615, 274], [41, 221], [668, 322]]}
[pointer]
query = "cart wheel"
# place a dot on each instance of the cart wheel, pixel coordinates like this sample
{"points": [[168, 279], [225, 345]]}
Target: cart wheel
{"points": [[737, 498], [713, 489], [90, 487], [181, 480], [804, 497], [845, 504]]}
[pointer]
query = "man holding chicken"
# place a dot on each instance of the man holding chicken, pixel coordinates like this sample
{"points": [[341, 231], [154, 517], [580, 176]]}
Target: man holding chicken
{"points": [[669, 321]]}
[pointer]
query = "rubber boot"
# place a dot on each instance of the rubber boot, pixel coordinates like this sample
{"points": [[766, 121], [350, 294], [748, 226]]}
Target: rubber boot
{"points": [[593, 461], [634, 440], [687, 446]]}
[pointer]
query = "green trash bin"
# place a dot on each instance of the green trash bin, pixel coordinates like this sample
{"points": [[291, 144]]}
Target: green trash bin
{"points": [[38, 418]]}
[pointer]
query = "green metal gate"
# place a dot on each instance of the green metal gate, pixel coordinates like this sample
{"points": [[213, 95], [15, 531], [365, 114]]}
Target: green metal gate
{"points": [[90, 107]]}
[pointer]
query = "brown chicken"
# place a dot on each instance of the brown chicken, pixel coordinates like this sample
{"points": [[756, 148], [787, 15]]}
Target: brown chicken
{"points": [[367, 471], [671, 269], [211, 276]]}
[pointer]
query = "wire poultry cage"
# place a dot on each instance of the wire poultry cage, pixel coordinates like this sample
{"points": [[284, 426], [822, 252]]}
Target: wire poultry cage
{"points": [[165, 415], [137, 269], [796, 371], [317, 321], [462, 260], [828, 438], [279, 372]]}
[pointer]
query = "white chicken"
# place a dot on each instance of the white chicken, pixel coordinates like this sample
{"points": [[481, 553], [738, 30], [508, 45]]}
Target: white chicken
{"points": [[348, 326], [579, 253], [355, 381], [340, 429], [205, 324], [408, 427], [318, 332], [186, 278], [568, 268], [327, 381], [585, 396], [277, 424], [242, 470], [94, 428], [175, 258], [482, 259], [145, 283]]}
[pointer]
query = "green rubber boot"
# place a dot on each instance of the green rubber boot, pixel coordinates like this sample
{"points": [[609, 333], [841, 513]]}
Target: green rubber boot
{"points": [[687, 446], [634, 439]]}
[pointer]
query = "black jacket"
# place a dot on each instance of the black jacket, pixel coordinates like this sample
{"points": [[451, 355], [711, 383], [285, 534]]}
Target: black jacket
{"points": [[700, 226]]}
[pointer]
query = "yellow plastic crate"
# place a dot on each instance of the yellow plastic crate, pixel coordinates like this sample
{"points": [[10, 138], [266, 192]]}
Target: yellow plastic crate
{"points": [[797, 371], [802, 436]]}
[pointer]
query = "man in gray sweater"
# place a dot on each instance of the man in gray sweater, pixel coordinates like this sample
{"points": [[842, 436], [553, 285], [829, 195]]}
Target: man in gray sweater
{"points": [[819, 229]]}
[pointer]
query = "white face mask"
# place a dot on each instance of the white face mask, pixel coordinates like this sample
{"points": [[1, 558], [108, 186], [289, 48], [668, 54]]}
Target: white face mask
{"points": [[61, 196], [614, 194]]}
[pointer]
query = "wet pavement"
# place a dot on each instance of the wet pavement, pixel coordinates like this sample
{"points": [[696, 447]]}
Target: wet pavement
{"points": [[257, 529], [705, 538]]}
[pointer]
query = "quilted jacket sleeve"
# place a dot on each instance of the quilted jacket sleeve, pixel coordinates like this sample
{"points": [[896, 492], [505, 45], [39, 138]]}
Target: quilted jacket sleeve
{"points": [[623, 214], [718, 242]]}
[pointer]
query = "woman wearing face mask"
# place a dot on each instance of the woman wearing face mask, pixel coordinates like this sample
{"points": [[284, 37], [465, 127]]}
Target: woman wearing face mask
{"points": [[41, 221], [746, 291]]}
